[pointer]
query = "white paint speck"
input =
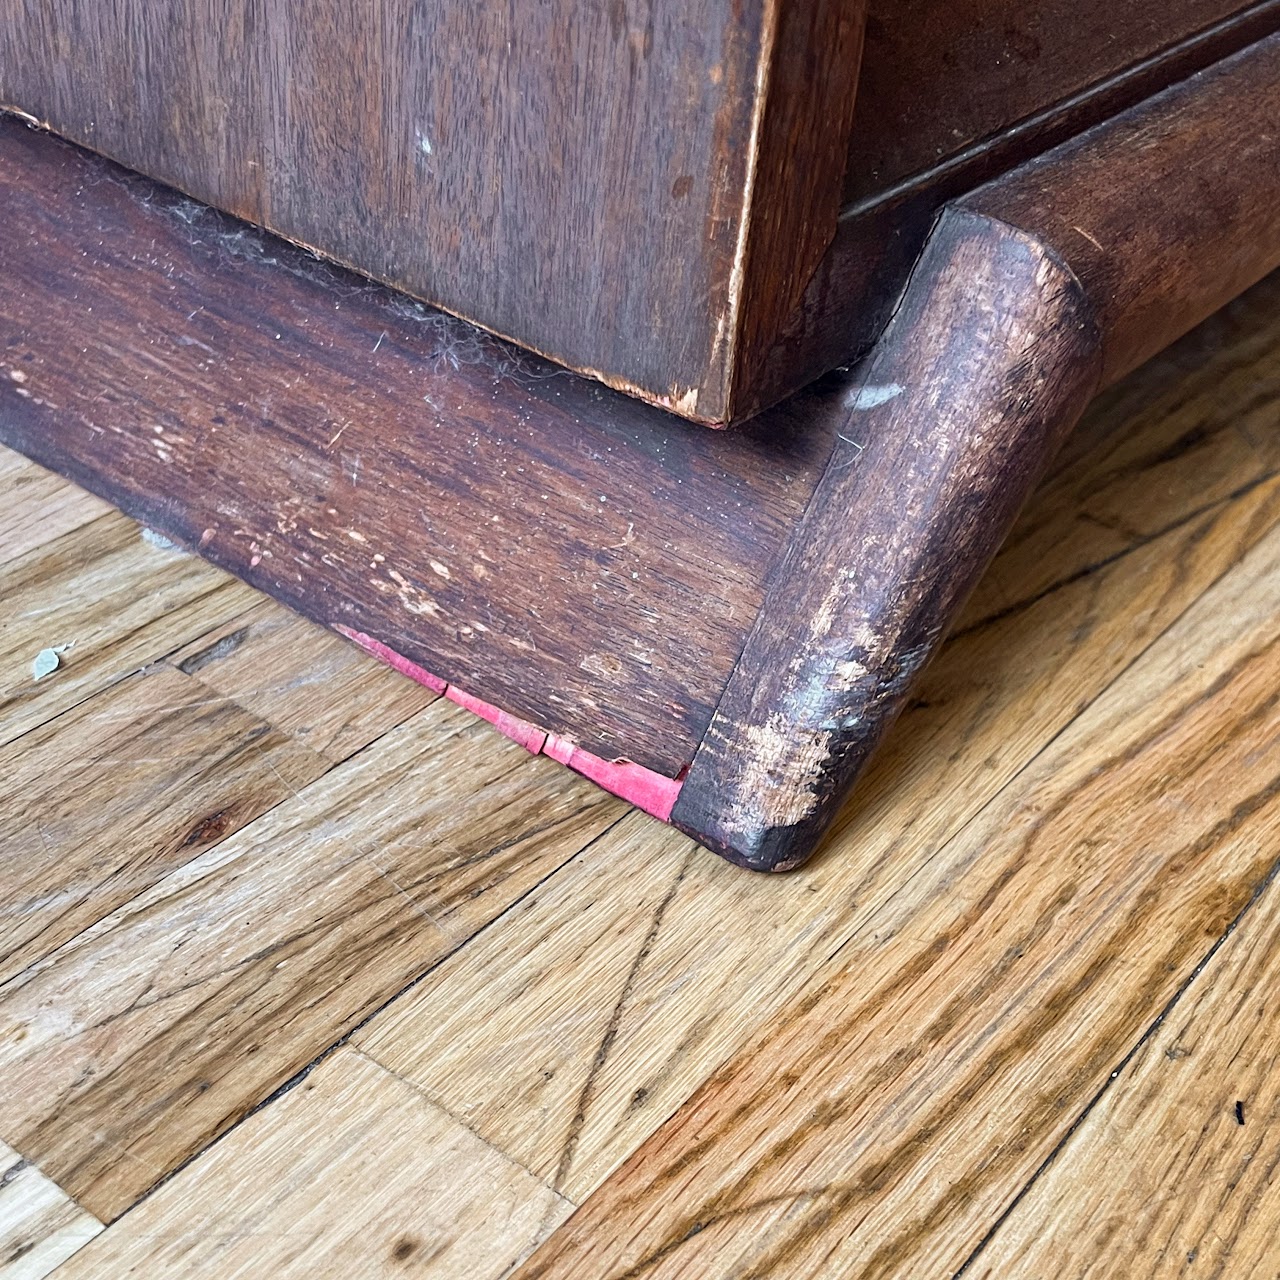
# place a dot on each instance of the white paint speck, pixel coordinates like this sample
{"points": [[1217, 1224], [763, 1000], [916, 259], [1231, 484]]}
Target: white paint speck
{"points": [[868, 397], [424, 143], [159, 541], [49, 660], [17, 375]]}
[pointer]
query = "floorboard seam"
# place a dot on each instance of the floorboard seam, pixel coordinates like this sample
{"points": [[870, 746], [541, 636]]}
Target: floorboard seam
{"points": [[458, 1120], [1088, 570], [303, 1072], [1267, 881], [122, 676]]}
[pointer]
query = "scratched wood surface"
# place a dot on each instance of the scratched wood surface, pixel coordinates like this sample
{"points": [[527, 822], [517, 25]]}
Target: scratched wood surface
{"points": [[492, 159], [305, 964]]}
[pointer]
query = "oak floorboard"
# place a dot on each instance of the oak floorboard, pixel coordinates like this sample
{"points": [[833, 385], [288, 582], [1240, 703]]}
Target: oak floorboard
{"points": [[301, 679], [101, 802], [137, 1042], [575, 1026], [40, 1227], [1164, 1176], [114, 599], [1190, 429], [39, 506], [350, 1173], [893, 1111]]}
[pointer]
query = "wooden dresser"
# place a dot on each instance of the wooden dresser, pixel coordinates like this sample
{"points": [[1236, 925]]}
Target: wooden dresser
{"points": [[893, 245]]}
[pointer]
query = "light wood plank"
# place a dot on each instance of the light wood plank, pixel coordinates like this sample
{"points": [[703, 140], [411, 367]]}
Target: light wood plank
{"points": [[351, 1173], [38, 506], [1163, 1177], [880, 1124], [100, 803], [302, 679], [115, 598], [569, 1063], [138, 1041], [1190, 429], [40, 1227]]}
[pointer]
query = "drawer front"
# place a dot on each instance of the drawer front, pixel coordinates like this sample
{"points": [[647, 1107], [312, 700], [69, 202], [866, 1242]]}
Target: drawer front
{"points": [[941, 75], [638, 189]]}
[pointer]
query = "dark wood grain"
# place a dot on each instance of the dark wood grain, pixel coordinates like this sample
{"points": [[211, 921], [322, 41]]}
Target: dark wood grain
{"points": [[939, 77], [969, 392], [650, 195], [1166, 213], [344, 449], [850, 297], [988, 362], [796, 182], [599, 182]]}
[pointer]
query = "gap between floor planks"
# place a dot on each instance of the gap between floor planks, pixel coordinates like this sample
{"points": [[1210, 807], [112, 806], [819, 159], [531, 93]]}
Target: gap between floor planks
{"points": [[633, 826], [234, 669]]}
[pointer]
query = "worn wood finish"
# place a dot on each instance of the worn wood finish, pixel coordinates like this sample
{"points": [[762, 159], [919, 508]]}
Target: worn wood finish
{"points": [[886, 1118], [494, 160], [1166, 213], [587, 1013], [1014, 314], [852, 294], [351, 1172], [987, 364], [614, 596], [1173, 1172], [722, 165], [583, 561]]}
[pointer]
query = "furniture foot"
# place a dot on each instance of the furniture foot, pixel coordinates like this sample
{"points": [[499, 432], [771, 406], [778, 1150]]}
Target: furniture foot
{"points": [[988, 362], [718, 626]]}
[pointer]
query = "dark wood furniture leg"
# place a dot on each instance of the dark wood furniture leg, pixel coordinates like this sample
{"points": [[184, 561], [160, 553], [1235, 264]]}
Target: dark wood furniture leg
{"points": [[987, 364], [1030, 295], [718, 626]]}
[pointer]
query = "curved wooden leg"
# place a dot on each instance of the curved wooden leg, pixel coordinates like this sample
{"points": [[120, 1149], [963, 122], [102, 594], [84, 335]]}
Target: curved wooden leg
{"points": [[1050, 281], [988, 362], [598, 612]]}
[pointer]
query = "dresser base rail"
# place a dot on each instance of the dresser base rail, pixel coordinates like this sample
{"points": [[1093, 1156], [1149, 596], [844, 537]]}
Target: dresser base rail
{"points": [[719, 627]]}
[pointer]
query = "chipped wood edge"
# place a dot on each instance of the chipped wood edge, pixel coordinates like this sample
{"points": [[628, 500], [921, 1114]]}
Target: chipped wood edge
{"points": [[990, 359], [1011, 319]]}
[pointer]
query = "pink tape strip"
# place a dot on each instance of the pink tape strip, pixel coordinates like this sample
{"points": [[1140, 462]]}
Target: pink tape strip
{"points": [[653, 792], [529, 736]]}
